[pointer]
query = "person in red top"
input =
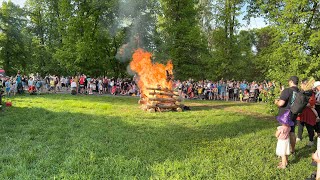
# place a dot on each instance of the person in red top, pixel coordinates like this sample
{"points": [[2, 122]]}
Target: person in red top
{"points": [[81, 82], [190, 92], [308, 117]]}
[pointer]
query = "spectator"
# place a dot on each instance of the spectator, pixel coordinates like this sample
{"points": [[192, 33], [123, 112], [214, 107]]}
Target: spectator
{"points": [[8, 87], [308, 118], [284, 104]]}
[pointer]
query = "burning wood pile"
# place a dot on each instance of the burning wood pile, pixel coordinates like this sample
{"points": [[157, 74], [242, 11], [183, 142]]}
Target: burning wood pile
{"points": [[155, 83], [161, 100]]}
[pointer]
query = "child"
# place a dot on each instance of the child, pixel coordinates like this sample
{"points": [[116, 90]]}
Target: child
{"points": [[73, 87], [14, 88], [246, 96], [227, 94], [91, 86], [52, 85], [240, 96], [283, 145], [100, 87], [113, 90], [38, 86], [7, 85], [235, 93], [210, 94], [215, 93]]}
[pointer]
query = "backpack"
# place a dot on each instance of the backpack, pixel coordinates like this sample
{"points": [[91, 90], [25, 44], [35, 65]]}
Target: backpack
{"points": [[299, 101]]}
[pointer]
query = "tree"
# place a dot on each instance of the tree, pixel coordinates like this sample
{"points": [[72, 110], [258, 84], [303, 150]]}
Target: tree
{"points": [[13, 38], [231, 50], [296, 25], [181, 32]]}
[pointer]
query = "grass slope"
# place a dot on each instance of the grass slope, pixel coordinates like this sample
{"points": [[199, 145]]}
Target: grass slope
{"points": [[91, 137]]}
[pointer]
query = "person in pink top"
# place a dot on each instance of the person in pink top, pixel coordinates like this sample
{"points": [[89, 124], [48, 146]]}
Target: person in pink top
{"points": [[283, 145]]}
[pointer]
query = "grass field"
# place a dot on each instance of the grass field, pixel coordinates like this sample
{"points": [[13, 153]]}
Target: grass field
{"points": [[91, 137]]}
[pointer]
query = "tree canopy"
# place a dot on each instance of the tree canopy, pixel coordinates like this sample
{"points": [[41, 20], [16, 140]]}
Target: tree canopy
{"points": [[203, 38]]}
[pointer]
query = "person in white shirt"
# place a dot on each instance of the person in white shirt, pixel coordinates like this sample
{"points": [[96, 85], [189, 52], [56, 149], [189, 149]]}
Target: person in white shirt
{"points": [[73, 87], [63, 82], [30, 82]]}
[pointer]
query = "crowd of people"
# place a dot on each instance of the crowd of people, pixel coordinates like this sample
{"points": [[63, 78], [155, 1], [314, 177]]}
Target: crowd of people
{"points": [[226, 90], [206, 90], [81, 84]]}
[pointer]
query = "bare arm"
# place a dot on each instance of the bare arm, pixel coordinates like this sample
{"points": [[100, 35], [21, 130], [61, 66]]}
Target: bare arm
{"points": [[279, 102], [277, 133], [316, 159]]}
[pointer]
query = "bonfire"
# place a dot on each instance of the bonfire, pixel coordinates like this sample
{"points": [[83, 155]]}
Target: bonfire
{"points": [[155, 83]]}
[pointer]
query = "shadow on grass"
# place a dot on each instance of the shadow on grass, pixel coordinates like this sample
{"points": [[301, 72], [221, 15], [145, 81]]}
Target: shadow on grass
{"points": [[118, 100], [41, 143], [218, 105], [303, 153], [232, 107]]}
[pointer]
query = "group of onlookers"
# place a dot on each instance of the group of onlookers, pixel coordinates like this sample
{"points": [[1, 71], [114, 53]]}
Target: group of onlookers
{"points": [[190, 89], [225, 90], [81, 84], [86, 85]]}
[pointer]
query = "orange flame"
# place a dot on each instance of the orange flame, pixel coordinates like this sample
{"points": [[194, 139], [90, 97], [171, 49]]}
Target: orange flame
{"points": [[151, 75]]}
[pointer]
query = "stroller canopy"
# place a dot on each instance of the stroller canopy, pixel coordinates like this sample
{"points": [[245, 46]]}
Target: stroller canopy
{"points": [[2, 73]]}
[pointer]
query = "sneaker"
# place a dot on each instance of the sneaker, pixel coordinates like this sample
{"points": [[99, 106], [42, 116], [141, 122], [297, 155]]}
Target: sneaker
{"points": [[298, 139], [310, 143]]}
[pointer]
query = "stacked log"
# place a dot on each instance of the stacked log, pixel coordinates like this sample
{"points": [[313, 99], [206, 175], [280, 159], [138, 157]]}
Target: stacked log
{"points": [[160, 100]]}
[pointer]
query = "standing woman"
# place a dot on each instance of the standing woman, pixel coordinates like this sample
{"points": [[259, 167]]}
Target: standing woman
{"points": [[105, 85], [19, 83], [190, 92], [308, 117], [59, 85], [316, 86]]}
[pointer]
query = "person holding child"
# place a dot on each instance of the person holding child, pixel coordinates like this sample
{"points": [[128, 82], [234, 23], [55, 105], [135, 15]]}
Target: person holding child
{"points": [[315, 156], [309, 116]]}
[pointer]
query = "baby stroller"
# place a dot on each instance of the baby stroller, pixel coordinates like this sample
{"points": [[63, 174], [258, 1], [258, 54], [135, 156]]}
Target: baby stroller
{"points": [[73, 88], [73, 91], [32, 90]]}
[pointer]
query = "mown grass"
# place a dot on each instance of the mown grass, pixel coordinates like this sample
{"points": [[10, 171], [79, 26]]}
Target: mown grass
{"points": [[92, 137]]}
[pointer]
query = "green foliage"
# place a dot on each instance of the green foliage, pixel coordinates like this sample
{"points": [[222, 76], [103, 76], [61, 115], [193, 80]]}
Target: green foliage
{"points": [[202, 38], [292, 35], [272, 95], [185, 43], [12, 38]]}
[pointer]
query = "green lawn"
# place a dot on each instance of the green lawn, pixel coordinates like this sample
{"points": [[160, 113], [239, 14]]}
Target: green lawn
{"points": [[92, 137]]}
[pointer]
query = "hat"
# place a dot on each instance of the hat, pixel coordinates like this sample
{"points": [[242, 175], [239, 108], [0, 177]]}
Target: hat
{"points": [[285, 118], [316, 84], [294, 79]]}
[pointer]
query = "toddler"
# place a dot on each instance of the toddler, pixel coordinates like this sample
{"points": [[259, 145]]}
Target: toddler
{"points": [[8, 85], [283, 145]]}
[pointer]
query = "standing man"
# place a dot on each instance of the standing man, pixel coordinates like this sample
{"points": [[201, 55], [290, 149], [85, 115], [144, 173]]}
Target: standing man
{"points": [[287, 97], [19, 83]]}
